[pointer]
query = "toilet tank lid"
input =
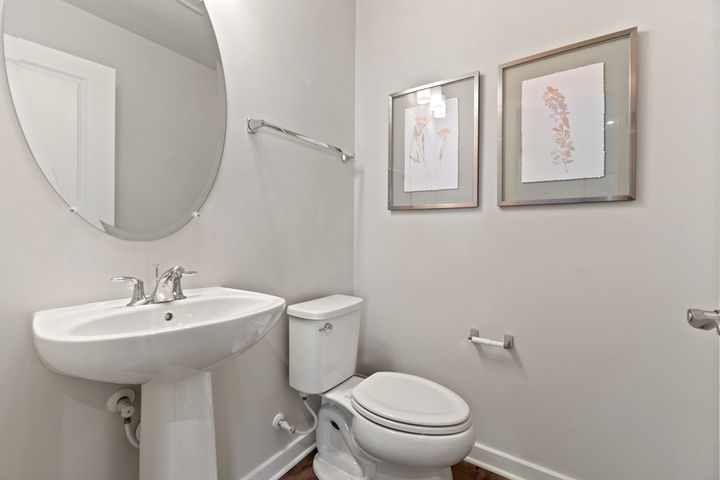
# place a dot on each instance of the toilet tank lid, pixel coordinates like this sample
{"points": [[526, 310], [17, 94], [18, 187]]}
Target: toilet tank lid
{"points": [[326, 307]]}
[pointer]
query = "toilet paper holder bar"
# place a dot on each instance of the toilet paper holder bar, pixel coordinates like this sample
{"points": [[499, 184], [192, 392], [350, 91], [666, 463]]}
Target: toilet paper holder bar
{"points": [[508, 341]]}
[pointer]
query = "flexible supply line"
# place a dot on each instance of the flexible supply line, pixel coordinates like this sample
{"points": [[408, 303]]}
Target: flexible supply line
{"points": [[131, 436], [314, 415], [126, 409], [279, 422]]}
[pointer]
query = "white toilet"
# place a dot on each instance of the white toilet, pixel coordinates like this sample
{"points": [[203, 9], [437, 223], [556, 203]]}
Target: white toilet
{"points": [[386, 426]]}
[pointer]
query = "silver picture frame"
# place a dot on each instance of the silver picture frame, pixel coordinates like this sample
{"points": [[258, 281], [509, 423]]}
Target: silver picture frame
{"points": [[556, 192], [467, 194]]}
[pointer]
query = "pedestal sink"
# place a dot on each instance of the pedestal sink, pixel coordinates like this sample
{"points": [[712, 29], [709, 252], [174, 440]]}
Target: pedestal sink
{"points": [[167, 348]]}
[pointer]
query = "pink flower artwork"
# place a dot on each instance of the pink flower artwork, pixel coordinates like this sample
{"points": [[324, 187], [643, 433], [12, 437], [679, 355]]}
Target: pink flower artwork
{"points": [[417, 153], [562, 125], [443, 134], [431, 160], [562, 152]]}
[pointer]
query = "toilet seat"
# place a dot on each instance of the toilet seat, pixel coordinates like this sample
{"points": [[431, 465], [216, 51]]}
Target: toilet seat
{"points": [[410, 428], [411, 404]]}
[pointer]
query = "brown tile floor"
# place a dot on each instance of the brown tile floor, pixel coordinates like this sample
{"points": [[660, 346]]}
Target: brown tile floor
{"points": [[461, 471]]}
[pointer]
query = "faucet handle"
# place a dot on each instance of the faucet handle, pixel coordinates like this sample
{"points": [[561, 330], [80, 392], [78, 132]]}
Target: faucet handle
{"points": [[179, 271], [138, 296], [177, 282], [123, 278]]}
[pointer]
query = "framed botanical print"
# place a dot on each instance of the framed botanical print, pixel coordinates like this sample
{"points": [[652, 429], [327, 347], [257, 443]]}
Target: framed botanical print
{"points": [[567, 121], [433, 145]]}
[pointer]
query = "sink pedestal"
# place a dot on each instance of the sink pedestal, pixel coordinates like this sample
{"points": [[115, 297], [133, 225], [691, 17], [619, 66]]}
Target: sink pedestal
{"points": [[178, 429]]}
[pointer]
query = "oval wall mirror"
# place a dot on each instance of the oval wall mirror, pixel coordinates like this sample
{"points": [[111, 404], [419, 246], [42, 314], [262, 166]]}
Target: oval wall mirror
{"points": [[122, 104]]}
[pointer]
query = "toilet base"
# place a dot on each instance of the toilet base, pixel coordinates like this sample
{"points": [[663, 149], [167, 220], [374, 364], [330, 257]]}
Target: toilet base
{"points": [[386, 471], [383, 471], [326, 471]]}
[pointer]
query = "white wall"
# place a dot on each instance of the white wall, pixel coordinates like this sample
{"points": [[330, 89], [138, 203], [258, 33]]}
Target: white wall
{"points": [[607, 381], [277, 221]]}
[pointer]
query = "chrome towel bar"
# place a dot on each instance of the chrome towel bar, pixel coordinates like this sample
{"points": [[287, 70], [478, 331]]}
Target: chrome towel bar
{"points": [[254, 124], [508, 341]]}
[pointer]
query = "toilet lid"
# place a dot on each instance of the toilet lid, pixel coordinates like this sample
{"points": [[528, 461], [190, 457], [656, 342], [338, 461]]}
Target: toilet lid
{"points": [[399, 400]]}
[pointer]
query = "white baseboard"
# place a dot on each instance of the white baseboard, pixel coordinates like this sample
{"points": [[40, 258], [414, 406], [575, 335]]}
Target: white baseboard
{"points": [[496, 461], [509, 466], [279, 464]]}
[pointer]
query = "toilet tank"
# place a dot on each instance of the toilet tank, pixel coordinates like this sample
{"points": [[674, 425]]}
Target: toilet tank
{"points": [[323, 338]]}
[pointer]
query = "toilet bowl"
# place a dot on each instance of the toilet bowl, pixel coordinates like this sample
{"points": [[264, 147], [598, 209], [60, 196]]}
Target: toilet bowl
{"points": [[387, 426]]}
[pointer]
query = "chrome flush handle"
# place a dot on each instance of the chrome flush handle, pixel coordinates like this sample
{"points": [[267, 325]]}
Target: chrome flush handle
{"points": [[326, 328]]}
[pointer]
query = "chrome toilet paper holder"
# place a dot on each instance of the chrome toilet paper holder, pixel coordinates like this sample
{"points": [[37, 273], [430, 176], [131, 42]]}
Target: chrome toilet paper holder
{"points": [[508, 341]]}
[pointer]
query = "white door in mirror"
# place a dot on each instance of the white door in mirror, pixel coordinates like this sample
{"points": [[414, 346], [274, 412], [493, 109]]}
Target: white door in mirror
{"points": [[66, 106]]}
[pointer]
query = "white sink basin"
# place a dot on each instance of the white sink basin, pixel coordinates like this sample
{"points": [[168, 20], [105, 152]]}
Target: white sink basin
{"points": [[167, 348], [111, 342]]}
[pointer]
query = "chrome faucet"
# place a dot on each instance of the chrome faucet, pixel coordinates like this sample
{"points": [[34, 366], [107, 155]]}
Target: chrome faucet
{"points": [[170, 277], [168, 287]]}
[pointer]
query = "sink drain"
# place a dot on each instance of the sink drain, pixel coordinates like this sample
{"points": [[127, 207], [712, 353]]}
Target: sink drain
{"points": [[168, 316]]}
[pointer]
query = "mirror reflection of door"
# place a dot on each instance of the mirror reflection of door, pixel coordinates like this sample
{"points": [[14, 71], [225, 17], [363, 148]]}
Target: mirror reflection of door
{"points": [[66, 106], [122, 104]]}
